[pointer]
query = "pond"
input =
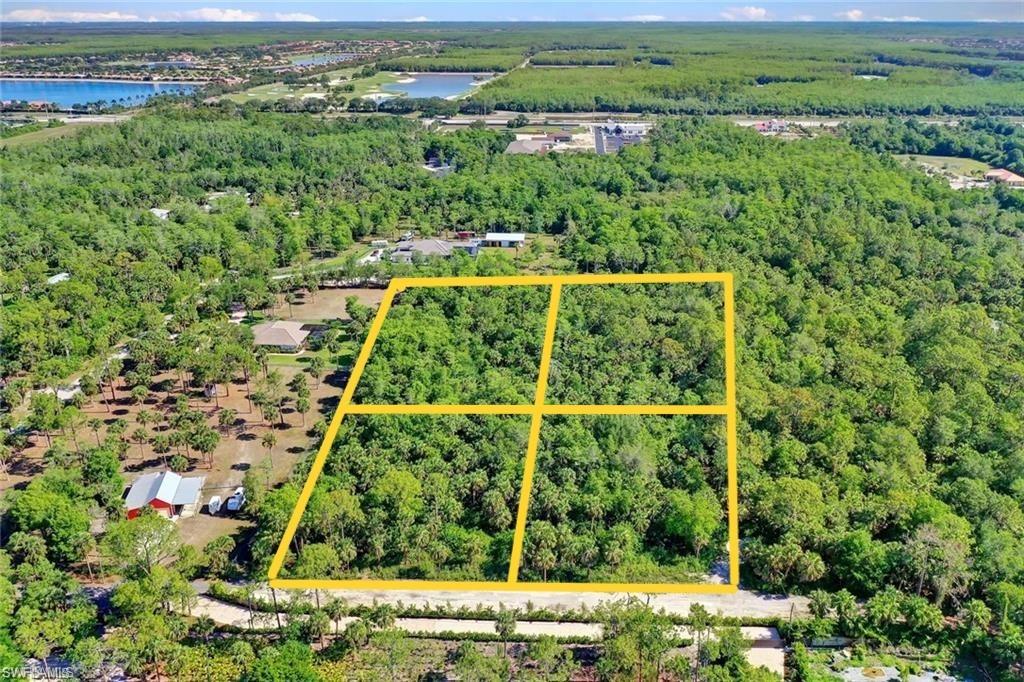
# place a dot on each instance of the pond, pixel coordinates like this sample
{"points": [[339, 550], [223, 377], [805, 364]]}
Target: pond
{"points": [[67, 92], [445, 85]]}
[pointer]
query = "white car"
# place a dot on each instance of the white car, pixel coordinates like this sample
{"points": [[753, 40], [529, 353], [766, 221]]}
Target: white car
{"points": [[213, 506], [237, 500]]}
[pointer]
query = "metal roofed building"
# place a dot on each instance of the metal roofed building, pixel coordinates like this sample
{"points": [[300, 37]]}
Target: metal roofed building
{"points": [[540, 146], [405, 251], [166, 492], [505, 239]]}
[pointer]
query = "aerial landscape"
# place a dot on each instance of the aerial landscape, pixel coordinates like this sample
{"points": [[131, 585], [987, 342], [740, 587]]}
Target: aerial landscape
{"points": [[512, 341]]}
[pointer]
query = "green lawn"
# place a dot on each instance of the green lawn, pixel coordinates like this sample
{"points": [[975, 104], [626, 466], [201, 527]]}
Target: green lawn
{"points": [[275, 91], [292, 360], [46, 134], [952, 164], [358, 250]]}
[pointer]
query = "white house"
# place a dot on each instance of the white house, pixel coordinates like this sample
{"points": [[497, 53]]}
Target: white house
{"points": [[505, 239]]}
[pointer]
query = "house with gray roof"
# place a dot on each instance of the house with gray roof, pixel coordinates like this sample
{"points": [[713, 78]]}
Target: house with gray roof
{"points": [[283, 335]]}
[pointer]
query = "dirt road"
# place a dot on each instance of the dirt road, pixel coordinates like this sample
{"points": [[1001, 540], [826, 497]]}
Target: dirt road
{"points": [[767, 648], [743, 604]]}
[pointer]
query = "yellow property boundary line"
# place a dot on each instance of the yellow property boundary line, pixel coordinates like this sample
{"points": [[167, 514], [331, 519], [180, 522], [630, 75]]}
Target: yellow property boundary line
{"points": [[537, 411]]}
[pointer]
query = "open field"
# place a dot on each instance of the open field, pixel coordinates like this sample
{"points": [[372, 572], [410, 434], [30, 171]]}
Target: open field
{"points": [[328, 304], [276, 91], [45, 134], [951, 164]]}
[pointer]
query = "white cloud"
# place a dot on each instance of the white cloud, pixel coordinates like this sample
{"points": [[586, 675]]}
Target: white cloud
{"points": [[217, 14], [748, 13], [851, 15], [644, 17], [45, 15], [416, 20], [804, 17], [294, 16], [903, 18]]}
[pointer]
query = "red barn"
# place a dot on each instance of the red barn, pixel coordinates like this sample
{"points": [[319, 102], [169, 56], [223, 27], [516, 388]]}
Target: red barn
{"points": [[166, 492]]}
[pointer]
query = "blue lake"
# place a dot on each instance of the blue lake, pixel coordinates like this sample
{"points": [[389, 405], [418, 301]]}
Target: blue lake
{"points": [[65, 93], [434, 84]]}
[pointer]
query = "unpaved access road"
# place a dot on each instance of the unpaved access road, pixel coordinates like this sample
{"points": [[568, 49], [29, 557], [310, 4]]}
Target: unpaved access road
{"points": [[767, 648], [743, 604]]}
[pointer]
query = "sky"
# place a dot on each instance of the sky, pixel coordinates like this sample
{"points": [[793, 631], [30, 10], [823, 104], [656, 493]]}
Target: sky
{"points": [[509, 10]]}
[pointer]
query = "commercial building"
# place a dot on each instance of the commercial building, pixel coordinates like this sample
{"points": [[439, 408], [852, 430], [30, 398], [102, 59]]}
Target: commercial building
{"points": [[610, 137]]}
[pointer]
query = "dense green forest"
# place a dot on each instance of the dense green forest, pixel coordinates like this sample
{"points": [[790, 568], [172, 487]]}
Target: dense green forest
{"points": [[879, 313], [996, 142], [458, 346], [415, 496], [642, 344], [626, 499]]}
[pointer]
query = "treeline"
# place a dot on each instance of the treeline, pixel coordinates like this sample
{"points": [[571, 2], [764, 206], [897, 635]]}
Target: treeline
{"points": [[457, 59], [729, 85], [994, 141]]}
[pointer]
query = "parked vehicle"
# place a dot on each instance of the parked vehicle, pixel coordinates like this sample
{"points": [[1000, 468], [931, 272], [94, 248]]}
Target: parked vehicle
{"points": [[237, 500], [213, 506]]}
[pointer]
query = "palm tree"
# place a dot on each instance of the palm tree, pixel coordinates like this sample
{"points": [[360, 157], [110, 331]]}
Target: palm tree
{"points": [[161, 446], [270, 413], [269, 440], [227, 418], [5, 458], [316, 368], [140, 436], [302, 405]]}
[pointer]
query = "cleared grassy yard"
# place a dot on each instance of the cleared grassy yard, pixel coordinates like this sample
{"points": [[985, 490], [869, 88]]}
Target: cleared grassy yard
{"points": [[952, 164], [45, 134]]}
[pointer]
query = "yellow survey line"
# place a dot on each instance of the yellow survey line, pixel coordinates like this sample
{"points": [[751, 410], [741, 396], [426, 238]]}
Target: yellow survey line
{"points": [[439, 409], [332, 431], [635, 409], [502, 586], [534, 441], [733, 502], [368, 408], [564, 280], [538, 409]]}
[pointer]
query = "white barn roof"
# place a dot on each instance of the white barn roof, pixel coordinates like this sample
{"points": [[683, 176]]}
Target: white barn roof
{"points": [[505, 237], [166, 486]]}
